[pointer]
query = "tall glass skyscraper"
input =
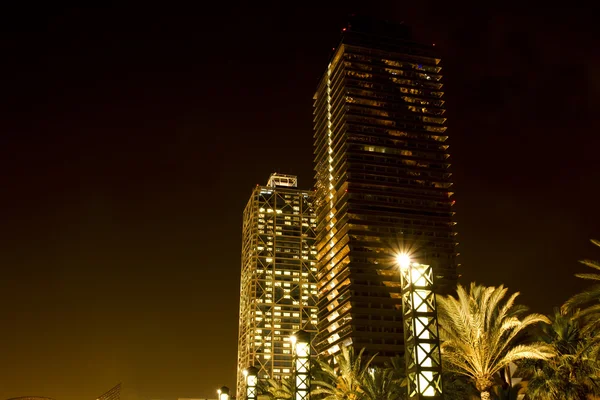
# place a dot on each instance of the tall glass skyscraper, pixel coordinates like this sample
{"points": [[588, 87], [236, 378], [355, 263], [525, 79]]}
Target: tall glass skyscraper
{"points": [[278, 282], [383, 183]]}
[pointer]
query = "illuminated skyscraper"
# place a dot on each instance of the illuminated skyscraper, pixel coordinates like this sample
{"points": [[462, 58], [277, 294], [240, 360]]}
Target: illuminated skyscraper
{"points": [[278, 283], [383, 183]]}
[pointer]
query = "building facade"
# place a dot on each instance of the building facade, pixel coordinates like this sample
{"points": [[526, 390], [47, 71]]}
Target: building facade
{"points": [[383, 184], [278, 280]]}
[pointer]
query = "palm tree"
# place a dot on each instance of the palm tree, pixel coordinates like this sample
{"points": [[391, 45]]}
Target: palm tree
{"points": [[479, 333], [573, 373], [397, 366], [278, 389], [457, 387], [587, 303], [343, 381], [381, 384]]}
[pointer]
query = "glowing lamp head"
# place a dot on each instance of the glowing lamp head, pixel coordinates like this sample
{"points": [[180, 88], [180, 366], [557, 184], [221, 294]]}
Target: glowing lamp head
{"points": [[223, 393], [301, 343], [403, 260], [251, 375]]}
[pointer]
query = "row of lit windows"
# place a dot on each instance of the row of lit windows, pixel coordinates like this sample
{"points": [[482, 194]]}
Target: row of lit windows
{"points": [[382, 159], [282, 308], [295, 290], [417, 136], [393, 230], [394, 79], [393, 123], [276, 326], [289, 250], [397, 180], [420, 57], [287, 233], [374, 67], [381, 113], [399, 147], [294, 302], [268, 311], [369, 63], [279, 313], [286, 284], [410, 82], [371, 198], [266, 196], [393, 97], [296, 225], [401, 89], [284, 370], [292, 289], [389, 106], [282, 279], [287, 322], [395, 63], [289, 242], [285, 218], [394, 171], [284, 269], [391, 150], [284, 272]]}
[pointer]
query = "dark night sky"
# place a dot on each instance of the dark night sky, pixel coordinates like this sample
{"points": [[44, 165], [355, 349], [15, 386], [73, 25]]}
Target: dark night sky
{"points": [[132, 136]]}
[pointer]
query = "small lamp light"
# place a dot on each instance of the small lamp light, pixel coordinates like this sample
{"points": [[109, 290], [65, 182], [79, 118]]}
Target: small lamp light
{"points": [[223, 393]]}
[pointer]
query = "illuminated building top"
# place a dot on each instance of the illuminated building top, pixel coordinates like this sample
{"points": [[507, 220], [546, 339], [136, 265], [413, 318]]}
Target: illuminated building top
{"points": [[282, 180]]}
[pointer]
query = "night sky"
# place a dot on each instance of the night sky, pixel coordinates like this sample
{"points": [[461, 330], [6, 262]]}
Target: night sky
{"points": [[131, 138]]}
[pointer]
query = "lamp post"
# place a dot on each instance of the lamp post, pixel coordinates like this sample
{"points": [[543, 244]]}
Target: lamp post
{"points": [[223, 393], [301, 344], [251, 374], [421, 337]]}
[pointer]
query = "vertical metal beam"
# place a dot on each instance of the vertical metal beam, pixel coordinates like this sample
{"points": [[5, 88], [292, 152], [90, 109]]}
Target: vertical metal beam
{"points": [[301, 343], [421, 337], [251, 374]]}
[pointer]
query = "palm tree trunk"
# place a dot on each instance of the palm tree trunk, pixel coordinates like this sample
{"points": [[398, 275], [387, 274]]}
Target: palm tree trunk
{"points": [[485, 395]]}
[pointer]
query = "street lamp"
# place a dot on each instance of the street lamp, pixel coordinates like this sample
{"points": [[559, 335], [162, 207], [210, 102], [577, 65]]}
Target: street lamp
{"points": [[223, 393], [301, 344], [251, 374], [421, 338]]}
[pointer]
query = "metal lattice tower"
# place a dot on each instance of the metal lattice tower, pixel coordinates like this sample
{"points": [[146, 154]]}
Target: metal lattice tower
{"points": [[421, 337]]}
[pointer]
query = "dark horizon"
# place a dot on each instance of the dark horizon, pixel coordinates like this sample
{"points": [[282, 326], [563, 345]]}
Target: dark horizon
{"points": [[134, 135]]}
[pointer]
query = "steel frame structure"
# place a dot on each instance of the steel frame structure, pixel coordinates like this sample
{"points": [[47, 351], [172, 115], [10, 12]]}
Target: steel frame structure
{"points": [[421, 336], [302, 365], [251, 383], [278, 291]]}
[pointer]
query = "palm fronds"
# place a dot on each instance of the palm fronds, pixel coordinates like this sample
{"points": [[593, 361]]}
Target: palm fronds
{"points": [[480, 328]]}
